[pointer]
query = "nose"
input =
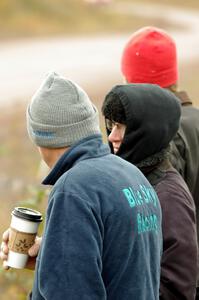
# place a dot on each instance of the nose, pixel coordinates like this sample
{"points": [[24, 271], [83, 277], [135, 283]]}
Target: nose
{"points": [[115, 135]]}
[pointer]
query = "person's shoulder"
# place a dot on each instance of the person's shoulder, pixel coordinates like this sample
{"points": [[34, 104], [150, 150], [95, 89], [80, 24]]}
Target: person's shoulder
{"points": [[173, 193], [189, 123], [190, 111], [173, 184]]}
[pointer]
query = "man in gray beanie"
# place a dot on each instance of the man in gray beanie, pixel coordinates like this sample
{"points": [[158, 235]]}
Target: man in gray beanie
{"points": [[102, 237]]}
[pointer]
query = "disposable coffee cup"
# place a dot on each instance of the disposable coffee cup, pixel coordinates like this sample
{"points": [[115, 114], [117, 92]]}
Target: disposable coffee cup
{"points": [[23, 230]]}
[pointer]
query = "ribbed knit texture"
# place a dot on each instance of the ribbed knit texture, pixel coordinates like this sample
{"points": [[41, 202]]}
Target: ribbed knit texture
{"points": [[150, 57], [60, 114]]}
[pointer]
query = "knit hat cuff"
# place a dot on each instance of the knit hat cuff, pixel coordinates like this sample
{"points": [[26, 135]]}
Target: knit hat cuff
{"points": [[52, 136], [164, 79]]}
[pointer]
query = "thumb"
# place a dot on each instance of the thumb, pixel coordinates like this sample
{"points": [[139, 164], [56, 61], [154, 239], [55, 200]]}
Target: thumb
{"points": [[33, 251]]}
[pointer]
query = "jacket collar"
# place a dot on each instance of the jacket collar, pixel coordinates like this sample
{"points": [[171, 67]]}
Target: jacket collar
{"points": [[157, 174], [89, 147], [184, 98]]}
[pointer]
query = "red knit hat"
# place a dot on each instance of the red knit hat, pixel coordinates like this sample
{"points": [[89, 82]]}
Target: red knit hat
{"points": [[150, 57]]}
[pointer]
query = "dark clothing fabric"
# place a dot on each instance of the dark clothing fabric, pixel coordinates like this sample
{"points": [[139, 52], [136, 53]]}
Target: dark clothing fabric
{"points": [[102, 238], [185, 150], [178, 269], [197, 294], [148, 129], [187, 143]]}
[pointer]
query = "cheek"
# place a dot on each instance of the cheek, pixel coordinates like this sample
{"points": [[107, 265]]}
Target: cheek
{"points": [[123, 133]]}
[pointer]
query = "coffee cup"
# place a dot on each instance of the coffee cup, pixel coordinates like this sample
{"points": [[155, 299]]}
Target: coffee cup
{"points": [[23, 230]]}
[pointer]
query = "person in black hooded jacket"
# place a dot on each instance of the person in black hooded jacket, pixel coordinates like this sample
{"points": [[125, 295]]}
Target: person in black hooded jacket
{"points": [[141, 120]]}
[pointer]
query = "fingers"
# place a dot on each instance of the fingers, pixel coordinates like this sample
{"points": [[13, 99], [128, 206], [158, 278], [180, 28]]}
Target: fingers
{"points": [[31, 263], [5, 236], [5, 266], [33, 251], [4, 252], [4, 249], [4, 245]]}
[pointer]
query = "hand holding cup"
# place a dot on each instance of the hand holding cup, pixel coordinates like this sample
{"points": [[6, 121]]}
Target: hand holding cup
{"points": [[20, 241]]}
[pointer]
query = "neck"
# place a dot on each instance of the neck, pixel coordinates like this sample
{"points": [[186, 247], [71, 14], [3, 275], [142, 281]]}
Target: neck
{"points": [[172, 88], [51, 155]]}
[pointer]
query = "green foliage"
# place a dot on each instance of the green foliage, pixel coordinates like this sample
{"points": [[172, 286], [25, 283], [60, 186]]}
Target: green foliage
{"points": [[15, 284], [36, 197], [36, 200], [4, 151], [33, 17], [30, 17], [190, 4], [50, 17]]}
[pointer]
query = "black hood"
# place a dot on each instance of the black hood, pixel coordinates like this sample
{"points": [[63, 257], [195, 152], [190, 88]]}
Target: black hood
{"points": [[152, 119]]}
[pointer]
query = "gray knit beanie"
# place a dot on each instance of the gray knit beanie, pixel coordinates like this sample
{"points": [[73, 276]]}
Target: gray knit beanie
{"points": [[60, 114]]}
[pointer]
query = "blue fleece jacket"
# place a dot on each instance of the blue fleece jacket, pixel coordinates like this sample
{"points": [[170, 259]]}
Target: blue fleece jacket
{"points": [[102, 237]]}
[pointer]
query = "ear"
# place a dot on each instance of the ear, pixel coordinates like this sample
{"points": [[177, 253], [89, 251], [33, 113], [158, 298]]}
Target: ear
{"points": [[43, 153], [40, 150]]}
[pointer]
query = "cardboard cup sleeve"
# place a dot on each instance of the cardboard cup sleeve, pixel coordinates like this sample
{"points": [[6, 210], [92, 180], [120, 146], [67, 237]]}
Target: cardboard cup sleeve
{"points": [[20, 242]]}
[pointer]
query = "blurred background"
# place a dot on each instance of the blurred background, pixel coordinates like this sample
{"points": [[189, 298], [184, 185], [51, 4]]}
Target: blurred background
{"points": [[82, 40]]}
